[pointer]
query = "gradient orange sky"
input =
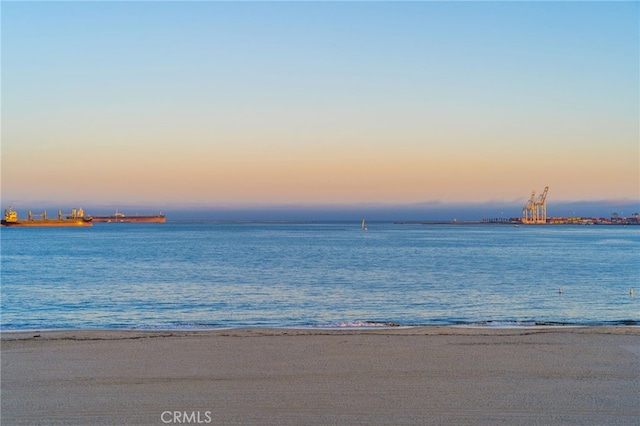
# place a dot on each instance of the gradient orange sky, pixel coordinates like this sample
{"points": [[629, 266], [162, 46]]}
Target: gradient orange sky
{"points": [[223, 104]]}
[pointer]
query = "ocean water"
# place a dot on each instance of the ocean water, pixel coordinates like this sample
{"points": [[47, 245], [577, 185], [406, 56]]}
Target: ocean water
{"points": [[193, 275]]}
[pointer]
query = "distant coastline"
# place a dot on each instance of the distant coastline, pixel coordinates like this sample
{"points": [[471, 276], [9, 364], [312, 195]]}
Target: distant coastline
{"points": [[634, 220]]}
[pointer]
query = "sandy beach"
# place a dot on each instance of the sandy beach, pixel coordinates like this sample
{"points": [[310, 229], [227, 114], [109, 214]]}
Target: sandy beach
{"points": [[418, 375]]}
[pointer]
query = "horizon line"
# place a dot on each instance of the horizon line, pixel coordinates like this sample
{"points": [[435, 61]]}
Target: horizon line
{"points": [[328, 205]]}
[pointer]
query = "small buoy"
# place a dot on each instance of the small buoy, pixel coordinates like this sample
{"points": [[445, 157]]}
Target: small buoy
{"points": [[560, 290]]}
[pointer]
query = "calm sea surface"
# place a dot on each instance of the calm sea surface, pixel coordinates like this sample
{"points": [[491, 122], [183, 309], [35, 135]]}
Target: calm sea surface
{"points": [[209, 275]]}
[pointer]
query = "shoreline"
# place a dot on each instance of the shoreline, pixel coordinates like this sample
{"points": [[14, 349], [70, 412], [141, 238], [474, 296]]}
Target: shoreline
{"points": [[6, 335], [491, 325], [365, 375]]}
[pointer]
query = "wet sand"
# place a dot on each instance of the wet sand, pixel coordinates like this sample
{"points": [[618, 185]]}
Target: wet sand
{"points": [[421, 375]]}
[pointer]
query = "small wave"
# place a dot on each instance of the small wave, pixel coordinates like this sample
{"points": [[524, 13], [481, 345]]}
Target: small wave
{"points": [[184, 326], [355, 324], [614, 241]]}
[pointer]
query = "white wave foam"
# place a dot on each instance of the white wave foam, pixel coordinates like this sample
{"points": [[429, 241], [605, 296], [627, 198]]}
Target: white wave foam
{"points": [[356, 324]]}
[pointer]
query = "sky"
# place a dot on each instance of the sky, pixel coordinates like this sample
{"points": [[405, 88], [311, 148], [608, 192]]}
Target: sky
{"points": [[237, 105]]}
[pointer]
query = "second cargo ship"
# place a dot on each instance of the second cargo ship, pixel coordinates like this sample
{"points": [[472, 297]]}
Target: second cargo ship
{"points": [[118, 217]]}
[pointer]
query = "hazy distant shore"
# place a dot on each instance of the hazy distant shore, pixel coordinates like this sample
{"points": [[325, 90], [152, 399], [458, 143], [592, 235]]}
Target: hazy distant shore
{"points": [[395, 375]]}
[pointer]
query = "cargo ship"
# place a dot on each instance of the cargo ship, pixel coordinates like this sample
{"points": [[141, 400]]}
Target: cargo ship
{"points": [[76, 218], [118, 217]]}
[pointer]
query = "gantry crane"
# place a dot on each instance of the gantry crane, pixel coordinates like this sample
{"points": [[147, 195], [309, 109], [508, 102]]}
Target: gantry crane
{"points": [[541, 206], [535, 211], [528, 211]]}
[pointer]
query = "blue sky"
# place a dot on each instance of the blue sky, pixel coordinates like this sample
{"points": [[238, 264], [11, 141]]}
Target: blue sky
{"points": [[228, 104]]}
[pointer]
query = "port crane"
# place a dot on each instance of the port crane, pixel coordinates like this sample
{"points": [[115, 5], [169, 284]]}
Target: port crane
{"points": [[528, 210], [541, 206], [535, 211]]}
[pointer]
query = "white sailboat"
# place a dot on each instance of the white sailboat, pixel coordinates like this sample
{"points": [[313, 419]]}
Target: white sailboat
{"points": [[364, 225]]}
